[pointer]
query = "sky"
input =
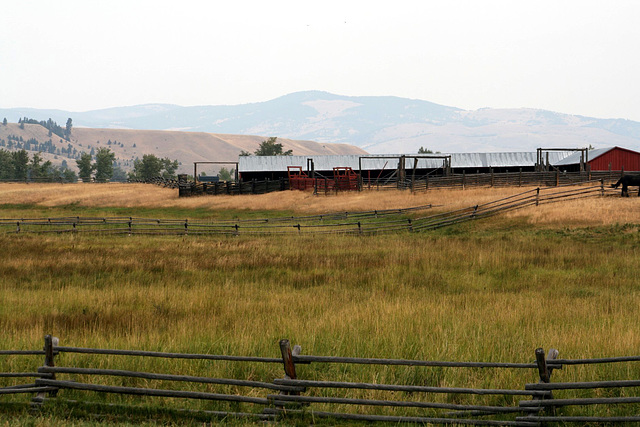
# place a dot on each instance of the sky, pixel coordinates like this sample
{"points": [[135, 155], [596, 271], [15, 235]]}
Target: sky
{"points": [[576, 57]]}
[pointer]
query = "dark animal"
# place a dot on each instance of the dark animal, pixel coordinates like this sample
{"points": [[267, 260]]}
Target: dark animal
{"points": [[626, 181]]}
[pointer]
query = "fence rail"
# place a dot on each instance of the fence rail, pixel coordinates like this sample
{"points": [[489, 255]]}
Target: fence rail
{"points": [[370, 222], [298, 400]]}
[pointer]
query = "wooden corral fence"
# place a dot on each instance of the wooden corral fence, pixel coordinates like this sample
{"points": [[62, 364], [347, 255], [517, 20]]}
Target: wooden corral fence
{"points": [[312, 390], [507, 179], [190, 188], [328, 186], [370, 222]]}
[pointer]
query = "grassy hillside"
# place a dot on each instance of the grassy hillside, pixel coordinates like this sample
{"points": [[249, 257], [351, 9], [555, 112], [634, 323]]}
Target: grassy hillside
{"points": [[186, 147], [562, 275]]}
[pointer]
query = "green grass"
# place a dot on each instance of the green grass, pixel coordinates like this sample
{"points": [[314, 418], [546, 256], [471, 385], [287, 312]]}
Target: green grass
{"points": [[490, 290]]}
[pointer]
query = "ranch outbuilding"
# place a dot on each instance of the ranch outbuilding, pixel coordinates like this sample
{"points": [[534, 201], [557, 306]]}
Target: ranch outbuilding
{"points": [[382, 167]]}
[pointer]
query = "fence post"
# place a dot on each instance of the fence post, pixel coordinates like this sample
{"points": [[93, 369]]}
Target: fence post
{"points": [[186, 226], [49, 360], [287, 360], [537, 196], [602, 186], [520, 178], [491, 169], [463, 176], [544, 371], [18, 225]]}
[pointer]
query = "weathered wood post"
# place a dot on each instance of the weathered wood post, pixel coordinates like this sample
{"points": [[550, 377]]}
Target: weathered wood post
{"points": [[537, 196], [463, 179], [49, 361], [491, 169], [287, 360], [544, 371], [602, 186], [520, 178]]}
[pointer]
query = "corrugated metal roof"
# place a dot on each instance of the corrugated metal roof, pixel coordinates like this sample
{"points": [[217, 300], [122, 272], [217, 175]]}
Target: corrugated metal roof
{"points": [[390, 161], [574, 157]]}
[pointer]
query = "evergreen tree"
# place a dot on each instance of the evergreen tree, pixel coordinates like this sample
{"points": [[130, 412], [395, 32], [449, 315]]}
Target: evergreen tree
{"points": [[85, 167], [35, 169], [170, 167], [4, 122], [6, 165], [67, 129], [20, 164], [104, 164]]}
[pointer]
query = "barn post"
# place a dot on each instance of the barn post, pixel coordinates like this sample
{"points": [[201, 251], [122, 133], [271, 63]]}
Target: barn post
{"points": [[547, 166], [413, 174]]}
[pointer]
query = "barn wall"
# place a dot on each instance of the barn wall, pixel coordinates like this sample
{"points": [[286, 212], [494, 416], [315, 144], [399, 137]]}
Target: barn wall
{"points": [[619, 158]]}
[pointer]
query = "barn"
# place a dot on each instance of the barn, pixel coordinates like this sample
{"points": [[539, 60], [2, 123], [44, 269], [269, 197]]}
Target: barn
{"points": [[603, 159], [380, 168]]}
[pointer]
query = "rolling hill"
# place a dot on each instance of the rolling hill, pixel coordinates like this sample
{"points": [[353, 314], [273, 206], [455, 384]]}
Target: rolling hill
{"points": [[186, 147]]}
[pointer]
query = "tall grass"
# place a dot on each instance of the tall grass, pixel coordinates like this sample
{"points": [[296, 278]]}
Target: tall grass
{"points": [[491, 290]]}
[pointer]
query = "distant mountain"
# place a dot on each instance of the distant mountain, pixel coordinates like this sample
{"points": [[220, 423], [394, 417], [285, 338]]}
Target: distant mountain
{"points": [[376, 124]]}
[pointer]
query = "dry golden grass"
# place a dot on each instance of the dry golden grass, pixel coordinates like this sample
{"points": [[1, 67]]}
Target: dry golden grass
{"points": [[560, 275], [582, 212]]}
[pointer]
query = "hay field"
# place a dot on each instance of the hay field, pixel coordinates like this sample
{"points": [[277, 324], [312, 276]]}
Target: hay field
{"points": [[563, 275]]}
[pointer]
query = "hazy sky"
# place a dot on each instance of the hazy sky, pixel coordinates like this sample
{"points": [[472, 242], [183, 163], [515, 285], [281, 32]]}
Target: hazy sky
{"points": [[579, 57]]}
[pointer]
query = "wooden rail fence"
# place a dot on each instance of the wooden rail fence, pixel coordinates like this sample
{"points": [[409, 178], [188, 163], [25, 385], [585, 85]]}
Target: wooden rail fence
{"points": [[369, 222], [413, 183], [292, 398]]}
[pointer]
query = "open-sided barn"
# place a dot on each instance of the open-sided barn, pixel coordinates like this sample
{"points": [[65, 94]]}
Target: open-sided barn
{"points": [[274, 167]]}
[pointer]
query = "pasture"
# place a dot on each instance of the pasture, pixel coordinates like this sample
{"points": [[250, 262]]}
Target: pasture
{"points": [[563, 275]]}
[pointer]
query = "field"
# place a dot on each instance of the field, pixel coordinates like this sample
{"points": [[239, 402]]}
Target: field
{"points": [[563, 275]]}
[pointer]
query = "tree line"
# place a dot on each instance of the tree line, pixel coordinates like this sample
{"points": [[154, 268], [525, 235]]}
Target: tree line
{"points": [[17, 166], [101, 167], [52, 126]]}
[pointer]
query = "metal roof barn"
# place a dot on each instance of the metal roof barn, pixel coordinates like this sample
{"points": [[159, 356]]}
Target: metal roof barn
{"points": [[603, 159], [387, 161]]}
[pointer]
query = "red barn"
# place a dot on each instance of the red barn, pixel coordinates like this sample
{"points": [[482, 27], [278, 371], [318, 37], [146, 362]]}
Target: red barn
{"points": [[604, 159]]}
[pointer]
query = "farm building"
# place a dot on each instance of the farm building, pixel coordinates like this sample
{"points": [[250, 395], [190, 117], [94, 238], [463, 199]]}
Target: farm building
{"points": [[384, 166], [603, 159]]}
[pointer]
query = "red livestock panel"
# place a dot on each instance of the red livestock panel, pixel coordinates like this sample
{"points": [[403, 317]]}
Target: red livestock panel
{"points": [[618, 158]]}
